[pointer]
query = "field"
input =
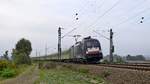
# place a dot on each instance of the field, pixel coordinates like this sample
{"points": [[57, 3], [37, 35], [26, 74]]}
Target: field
{"points": [[26, 77], [62, 75], [54, 74]]}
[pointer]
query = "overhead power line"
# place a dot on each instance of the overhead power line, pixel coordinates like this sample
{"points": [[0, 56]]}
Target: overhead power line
{"points": [[82, 23], [135, 15], [138, 5], [87, 14], [147, 19], [104, 14], [101, 35], [68, 32]]}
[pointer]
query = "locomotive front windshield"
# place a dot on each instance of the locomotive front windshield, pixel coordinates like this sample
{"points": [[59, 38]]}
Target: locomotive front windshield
{"points": [[92, 43]]}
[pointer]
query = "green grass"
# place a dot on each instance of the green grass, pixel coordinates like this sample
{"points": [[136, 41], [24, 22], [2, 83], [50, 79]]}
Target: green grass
{"points": [[22, 68], [10, 73], [63, 75]]}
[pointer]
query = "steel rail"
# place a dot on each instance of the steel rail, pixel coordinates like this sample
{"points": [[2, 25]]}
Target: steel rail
{"points": [[128, 66]]}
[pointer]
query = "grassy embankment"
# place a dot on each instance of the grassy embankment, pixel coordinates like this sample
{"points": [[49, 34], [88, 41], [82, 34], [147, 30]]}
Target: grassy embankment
{"points": [[59, 74], [10, 72]]}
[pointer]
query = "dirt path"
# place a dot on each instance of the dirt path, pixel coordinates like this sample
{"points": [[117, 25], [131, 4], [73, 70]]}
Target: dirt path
{"points": [[28, 77]]}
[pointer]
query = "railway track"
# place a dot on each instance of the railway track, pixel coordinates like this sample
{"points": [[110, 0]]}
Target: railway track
{"points": [[142, 67], [133, 66]]}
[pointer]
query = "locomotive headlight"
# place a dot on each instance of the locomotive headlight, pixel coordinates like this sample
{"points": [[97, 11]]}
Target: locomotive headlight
{"points": [[93, 50]]}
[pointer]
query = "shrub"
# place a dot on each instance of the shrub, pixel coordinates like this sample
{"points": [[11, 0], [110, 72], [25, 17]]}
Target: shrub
{"points": [[21, 58], [105, 62], [6, 64], [8, 72], [106, 73], [3, 64], [82, 70]]}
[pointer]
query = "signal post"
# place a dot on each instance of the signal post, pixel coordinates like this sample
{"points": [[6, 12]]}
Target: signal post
{"points": [[111, 46], [59, 43]]}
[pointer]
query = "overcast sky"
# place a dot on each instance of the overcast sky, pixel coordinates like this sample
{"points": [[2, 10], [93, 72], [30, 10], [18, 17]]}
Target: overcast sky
{"points": [[38, 21]]}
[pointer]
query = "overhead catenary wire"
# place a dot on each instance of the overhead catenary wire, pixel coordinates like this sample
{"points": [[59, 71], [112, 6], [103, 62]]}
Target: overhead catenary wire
{"points": [[82, 22], [100, 17], [68, 32], [135, 15], [101, 35], [77, 13], [147, 19], [139, 4], [100, 6], [96, 19]]}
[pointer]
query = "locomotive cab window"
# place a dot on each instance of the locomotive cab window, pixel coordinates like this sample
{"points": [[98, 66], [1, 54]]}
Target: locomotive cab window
{"points": [[92, 43]]}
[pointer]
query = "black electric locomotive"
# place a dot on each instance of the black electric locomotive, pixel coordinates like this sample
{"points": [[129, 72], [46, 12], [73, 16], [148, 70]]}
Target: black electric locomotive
{"points": [[88, 51]]}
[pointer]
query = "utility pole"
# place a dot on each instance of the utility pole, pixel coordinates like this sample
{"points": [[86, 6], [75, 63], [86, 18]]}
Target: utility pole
{"points": [[36, 53], [59, 43], [39, 54], [46, 50], [111, 50], [111, 46]]}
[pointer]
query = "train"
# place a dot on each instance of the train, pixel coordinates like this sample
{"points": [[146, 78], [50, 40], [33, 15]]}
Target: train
{"points": [[88, 50]]}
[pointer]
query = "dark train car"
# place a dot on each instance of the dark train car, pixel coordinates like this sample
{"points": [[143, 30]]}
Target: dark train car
{"points": [[87, 50]]}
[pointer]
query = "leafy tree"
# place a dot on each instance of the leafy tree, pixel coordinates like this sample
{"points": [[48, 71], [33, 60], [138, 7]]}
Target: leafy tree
{"points": [[24, 46], [22, 51]]}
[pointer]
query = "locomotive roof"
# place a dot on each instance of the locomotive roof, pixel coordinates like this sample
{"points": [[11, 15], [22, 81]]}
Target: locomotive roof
{"points": [[83, 40], [88, 38]]}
